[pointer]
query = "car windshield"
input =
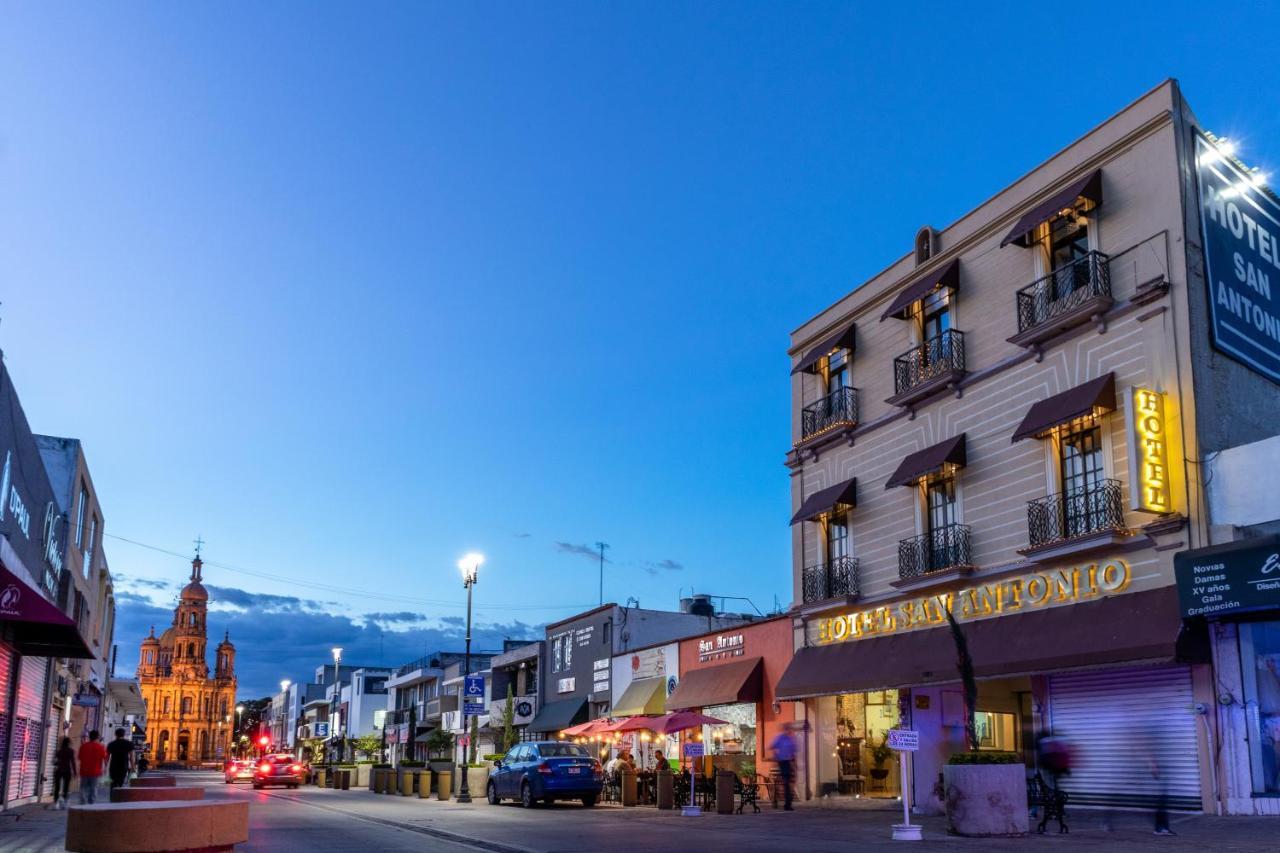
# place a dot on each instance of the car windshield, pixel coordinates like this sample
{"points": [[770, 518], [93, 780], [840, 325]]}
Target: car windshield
{"points": [[281, 759], [562, 750]]}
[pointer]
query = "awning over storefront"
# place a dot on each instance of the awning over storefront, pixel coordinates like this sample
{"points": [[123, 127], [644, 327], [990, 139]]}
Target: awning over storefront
{"points": [[948, 277], [423, 737], [1137, 627], [556, 716], [723, 684], [1089, 188], [843, 338], [929, 461], [39, 628], [1095, 397], [825, 500], [642, 696]]}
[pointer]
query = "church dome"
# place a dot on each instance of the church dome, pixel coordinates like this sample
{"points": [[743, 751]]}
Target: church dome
{"points": [[166, 639], [151, 638], [195, 591]]}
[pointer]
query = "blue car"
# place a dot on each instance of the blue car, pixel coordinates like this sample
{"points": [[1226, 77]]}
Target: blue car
{"points": [[546, 771]]}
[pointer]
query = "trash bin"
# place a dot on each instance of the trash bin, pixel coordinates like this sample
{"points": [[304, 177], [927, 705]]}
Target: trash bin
{"points": [[724, 792], [444, 784], [628, 788], [666, 790]]}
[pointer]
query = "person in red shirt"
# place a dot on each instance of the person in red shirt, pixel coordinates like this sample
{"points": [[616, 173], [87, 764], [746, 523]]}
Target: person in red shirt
{"points": [[92, 756]]}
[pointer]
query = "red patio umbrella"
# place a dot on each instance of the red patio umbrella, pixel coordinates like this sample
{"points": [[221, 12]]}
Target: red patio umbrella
{"points": [[591, 727], [679, 721], [636, 724]]}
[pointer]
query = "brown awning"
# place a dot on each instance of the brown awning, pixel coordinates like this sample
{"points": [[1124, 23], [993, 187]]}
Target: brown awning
{"points": [[1096, 396], [929, 461], [1089, 187], [843, 338], [948, 277], [1126, 628], [722, 684], [824, 500], [40, 629]]}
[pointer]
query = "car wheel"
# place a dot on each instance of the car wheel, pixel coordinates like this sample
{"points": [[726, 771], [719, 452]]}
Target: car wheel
{"points": [[491, 793], [228, 781], [589, 800], [257, 787], [526, 796]]}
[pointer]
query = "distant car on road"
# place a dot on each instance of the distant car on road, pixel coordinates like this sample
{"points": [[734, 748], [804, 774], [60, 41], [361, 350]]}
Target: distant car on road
{"points": [[237, 770], [277, 770], [544, 771]]}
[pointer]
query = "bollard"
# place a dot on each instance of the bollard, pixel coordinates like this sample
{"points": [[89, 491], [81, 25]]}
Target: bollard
{"points": [[628, 788], [426, 784], [393, 781], [444, 784], [666, 790], [321, 776], [724, 792], [406, 782]]}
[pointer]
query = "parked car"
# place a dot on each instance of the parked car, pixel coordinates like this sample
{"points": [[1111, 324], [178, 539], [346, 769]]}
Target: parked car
{"points": [[238, 770], [277, 770], [544, 771]]}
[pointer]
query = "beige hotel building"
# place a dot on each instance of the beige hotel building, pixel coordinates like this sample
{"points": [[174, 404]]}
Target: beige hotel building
{"points": [[1011, 421]]}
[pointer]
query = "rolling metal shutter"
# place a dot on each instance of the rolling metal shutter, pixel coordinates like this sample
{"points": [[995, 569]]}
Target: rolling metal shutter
{"points": [[1118, 722], [6, 691], [27, 732]]}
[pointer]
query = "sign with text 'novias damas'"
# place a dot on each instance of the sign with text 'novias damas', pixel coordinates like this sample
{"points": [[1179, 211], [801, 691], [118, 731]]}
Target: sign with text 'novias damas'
{"points": [[1230, 578], [1241, 230]]}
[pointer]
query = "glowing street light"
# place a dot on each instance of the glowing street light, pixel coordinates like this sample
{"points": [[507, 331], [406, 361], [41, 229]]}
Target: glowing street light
{"points": [[470, 568]]}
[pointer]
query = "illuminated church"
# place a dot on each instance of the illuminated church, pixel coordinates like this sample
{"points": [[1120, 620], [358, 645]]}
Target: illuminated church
{"points": [[190, 714]]}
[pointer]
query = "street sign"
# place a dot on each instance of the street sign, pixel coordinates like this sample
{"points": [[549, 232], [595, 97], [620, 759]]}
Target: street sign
{"points": [[695, 749], [904, 740], [473, 695], [320, 729], [1229, 578]]}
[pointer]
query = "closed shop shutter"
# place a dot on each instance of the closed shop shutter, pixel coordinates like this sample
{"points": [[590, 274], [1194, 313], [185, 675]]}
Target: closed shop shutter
{"points": [[26, 736], [1118, 723], [6, 690]]}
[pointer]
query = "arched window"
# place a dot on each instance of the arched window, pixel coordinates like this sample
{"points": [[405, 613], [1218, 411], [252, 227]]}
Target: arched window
{"points": [[924, 245], [222, 708], [191, 650], [193, 620], [186, 704]]}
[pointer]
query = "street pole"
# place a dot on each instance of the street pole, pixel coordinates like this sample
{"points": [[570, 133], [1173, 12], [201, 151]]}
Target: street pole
{"points": [[337, 695], [470, 566], [602, 546]]}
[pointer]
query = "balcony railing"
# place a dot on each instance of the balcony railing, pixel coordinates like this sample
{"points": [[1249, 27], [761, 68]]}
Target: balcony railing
{"points": [[838, 407], [941, 355], [1081, 512], [938, 550], [835, 579], [1064, 290]]}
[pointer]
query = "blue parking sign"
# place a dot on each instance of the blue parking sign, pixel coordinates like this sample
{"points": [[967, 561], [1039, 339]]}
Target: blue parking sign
{"points": [[473, 695]]}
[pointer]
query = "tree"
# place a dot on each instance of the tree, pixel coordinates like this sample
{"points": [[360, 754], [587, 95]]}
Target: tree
{"points": [[964, 663], [368, 745], [508, 722], [439, 742]]}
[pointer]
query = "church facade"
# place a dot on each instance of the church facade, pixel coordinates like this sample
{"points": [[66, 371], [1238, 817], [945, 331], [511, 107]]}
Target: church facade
{"points": [[190, 712]]}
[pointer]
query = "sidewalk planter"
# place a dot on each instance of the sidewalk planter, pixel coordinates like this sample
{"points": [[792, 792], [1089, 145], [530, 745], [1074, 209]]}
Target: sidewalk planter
{"points": [[406, 782], [376, 774], [477, 780], [361, 776], [322, 776], [426, 784], [986, 794], [444, 782], [393, 782]]}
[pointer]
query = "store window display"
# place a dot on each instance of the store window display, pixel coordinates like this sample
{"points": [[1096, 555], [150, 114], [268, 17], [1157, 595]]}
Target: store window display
{"points": [[1260, 643]]}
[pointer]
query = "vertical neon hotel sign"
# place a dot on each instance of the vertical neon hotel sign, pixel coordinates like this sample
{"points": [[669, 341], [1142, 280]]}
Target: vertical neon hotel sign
{"points": [[1149, 464]]}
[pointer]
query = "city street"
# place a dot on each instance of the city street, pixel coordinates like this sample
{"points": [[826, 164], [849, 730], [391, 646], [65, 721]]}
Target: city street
{"points": [[321, 819]]}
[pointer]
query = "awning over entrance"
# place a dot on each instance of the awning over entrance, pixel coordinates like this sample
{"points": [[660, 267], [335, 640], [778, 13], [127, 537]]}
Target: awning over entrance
{"points": [[929, 461], [1096, 397], [423, 737], [824, 500], [843, 338], [556, 716], [1126, 628], [948, 277], [39, 628], [1089, 188], [723, 684], [642, 696]]}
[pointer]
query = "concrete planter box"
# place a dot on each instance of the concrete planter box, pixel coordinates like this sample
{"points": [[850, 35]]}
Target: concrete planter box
{"points": [[477, 781], [986, 799], [361, 776]]}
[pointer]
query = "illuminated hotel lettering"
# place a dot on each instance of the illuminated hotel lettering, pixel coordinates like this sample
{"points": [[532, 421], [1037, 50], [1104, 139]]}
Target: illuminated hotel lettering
{"points": [[1027, 592], [1150, 450]]}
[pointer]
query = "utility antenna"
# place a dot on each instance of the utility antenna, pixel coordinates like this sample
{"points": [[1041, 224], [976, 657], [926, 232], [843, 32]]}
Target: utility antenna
{"points": [[602, 546]]}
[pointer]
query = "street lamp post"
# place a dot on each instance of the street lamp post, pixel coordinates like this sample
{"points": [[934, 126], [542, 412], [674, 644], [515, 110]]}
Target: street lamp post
{"points": [[284, 708], [470, 566], [239, 712], [337, 694]]}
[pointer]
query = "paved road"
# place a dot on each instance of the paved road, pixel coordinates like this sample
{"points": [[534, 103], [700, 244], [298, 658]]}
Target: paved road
{"points": [[315, 819]]}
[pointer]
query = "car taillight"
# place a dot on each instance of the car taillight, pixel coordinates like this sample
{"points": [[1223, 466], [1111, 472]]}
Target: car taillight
{"points": [[264, 768], [544, 767], [297, 768]]}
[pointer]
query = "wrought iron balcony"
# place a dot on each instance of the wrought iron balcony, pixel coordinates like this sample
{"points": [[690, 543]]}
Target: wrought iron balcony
{"points": [[838, 407], [835, 579], [921, 370], [936, 551], [1066, 297], [1081, 512]]}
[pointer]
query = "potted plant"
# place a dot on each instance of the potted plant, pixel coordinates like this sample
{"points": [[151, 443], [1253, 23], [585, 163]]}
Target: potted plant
{"points": [[880, 755]]}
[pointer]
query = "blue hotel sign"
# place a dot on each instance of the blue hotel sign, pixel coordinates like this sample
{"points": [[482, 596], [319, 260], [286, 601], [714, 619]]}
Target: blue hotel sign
{"points": [[1241, 231]]}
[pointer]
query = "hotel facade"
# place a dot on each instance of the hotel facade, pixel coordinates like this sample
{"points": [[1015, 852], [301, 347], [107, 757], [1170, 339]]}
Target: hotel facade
{"points": [[1010, 423]]}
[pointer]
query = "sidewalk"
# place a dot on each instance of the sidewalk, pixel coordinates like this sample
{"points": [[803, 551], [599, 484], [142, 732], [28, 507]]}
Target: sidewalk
{"points": [[32, 829]]}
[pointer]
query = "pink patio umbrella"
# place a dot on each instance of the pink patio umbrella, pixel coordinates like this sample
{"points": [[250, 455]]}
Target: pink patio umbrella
{"points": [[591, 727], [679, 721]]}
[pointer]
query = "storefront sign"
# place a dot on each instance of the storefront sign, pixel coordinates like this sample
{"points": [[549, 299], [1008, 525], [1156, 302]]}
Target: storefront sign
{"points": [[648, 663], [721, 646], [903, 740], [1229, 578], [1026, 592], [1241, 229], [566, 685], [320, 729], [1149, 459], [694, 749]]}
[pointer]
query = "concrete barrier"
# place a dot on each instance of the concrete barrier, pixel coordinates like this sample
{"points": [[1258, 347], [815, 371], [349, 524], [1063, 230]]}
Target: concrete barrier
{"points": [[155, 795], [154, 827], [154, 780]]}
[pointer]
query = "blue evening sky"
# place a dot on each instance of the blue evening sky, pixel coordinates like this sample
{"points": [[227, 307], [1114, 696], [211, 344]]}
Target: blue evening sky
{"points": [[351, 289]]}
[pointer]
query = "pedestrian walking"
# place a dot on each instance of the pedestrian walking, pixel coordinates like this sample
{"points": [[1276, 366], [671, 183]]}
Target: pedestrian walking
{"points": [[92, 756], [784, 753], [64, 767], [120, 752]]}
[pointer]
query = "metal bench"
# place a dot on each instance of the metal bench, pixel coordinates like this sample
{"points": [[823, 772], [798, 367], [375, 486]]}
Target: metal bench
{"points": [[747, 793], [1051, 801]]}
